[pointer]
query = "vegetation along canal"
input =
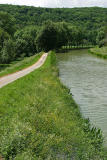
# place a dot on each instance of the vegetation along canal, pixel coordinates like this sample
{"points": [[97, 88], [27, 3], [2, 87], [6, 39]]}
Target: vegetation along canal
{"points": [[86, 76]]}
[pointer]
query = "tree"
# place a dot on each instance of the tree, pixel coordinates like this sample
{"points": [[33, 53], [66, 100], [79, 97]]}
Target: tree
{"points": [[8, 53], [3, 36], [63, 34], [7, 23], [100, 38], [91, 36], [25, 41], [47, 37]]}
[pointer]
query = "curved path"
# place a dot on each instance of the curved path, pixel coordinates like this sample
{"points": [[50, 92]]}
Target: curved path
{"points": [[12, 77]]}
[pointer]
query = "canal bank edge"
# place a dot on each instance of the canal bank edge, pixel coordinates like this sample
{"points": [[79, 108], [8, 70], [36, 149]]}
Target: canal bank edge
{"points": [[91, 132], [100, 52]]}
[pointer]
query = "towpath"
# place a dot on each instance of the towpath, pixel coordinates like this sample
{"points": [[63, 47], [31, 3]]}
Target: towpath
{"points": [[14, 76]]}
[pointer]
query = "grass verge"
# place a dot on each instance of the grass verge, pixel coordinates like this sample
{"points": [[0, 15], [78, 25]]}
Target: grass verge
{"points": [[100, 52], [40, 120], [18, 65]]}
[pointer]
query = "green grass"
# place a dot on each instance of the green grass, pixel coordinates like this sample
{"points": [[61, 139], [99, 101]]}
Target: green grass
{"points": [[100, 52], [39, 120], [18, 65]]}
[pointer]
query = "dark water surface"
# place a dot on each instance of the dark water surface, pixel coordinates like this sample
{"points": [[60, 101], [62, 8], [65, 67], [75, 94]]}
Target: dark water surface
{"points": [[86, 76]]}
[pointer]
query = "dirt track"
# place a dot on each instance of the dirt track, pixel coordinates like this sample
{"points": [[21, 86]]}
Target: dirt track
{"points": [[12, 77]]}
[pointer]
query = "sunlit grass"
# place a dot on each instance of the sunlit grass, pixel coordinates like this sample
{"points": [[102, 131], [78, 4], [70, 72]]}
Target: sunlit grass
{"points": [[101, 52], [19, 65], [40, 120]]}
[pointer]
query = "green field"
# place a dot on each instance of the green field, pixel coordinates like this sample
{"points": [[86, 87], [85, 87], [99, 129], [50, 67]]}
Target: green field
{"points": [[18, 65], [40, 120], [101, 52]]}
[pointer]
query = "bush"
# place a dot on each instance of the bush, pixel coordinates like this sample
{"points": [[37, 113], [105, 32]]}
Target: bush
{"points": [[7, 22], [101, 44], [3, 36], [7, 53], [21, 47], [25, 41]]}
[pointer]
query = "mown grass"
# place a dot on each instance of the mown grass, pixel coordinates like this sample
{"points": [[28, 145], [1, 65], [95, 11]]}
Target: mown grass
{"points": [[100, 52], [39, 120], [18, 65]]}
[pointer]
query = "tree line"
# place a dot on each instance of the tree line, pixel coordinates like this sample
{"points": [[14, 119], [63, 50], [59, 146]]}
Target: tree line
{"points": [[24, 41], [88, 19]]}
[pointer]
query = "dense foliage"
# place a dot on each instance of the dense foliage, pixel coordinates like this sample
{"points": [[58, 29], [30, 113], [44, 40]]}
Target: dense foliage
{"points": [[90, 18], [27, 30], [52, 36], [7, 22]]}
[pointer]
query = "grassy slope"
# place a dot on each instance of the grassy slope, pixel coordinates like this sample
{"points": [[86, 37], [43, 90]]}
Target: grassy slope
{"points": [[40, 120], [101, 52], [19, 65]]}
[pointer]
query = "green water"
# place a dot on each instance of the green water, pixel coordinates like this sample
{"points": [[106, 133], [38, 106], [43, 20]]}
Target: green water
{"points": [[86, 77]]}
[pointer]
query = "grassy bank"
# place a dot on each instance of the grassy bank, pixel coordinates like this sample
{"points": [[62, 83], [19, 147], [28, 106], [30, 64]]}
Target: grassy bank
{"points": [[100, 52], [40, 120], [18, 65]]}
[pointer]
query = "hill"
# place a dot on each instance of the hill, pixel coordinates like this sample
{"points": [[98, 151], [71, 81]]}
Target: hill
{"points": [[91, 18]]}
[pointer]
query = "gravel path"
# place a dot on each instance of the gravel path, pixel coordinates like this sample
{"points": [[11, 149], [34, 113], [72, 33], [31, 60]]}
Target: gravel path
{"points": [[12, 77]]}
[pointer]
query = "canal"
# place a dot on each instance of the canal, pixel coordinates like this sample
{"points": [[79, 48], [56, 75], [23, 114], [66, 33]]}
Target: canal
{"points": [[86, 77]]}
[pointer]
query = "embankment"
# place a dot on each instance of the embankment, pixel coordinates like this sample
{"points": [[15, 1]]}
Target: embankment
{"points": [[40, 120], [100, 52]]}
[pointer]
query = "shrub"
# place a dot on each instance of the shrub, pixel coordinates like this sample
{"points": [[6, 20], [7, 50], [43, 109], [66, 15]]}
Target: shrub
{"points": [[47, 37], [25, 41], [7, 53]]}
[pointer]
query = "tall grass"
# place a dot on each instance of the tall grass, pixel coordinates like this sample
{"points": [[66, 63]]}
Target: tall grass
{"points": [[39, 120]]}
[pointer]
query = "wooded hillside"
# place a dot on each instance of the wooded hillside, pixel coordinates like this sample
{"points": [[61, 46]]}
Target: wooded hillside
{"points": [[91, 18]]}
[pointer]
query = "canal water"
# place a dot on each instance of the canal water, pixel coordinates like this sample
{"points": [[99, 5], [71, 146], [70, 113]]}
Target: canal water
{"points": [[86, 77]]}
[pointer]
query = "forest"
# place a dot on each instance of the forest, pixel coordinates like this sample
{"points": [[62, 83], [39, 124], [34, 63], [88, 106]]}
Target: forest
{"points": [[25, 30]]}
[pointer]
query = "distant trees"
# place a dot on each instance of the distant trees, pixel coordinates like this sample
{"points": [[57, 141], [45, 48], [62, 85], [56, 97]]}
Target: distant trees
{"points": [[52, 36], [7, 23], [8, 52], [7, 29], [101, 38], [62, 34], [3, 36], [29, 40], [17, 42], [25, 41], [88, 18], [47, 37], [78, 37]]}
